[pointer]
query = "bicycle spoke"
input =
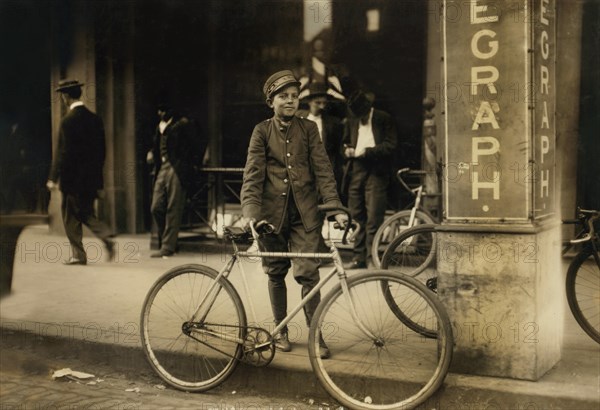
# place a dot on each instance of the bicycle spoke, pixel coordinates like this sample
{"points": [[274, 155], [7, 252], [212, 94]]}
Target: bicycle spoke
{"points": [[583, 294], [191, 363], [396, 368]]}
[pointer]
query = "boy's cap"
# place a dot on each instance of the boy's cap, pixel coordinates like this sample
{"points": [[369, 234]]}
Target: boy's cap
{"points": [[278, 80], [64, 85]]}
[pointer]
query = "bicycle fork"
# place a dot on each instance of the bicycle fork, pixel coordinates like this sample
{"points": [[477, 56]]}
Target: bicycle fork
{"points": [[341, 273]]}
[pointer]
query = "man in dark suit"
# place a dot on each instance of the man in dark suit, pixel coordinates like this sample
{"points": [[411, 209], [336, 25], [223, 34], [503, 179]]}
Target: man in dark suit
{"points": [[370, 141], [330, 127], [172, 155], [77, 166]]}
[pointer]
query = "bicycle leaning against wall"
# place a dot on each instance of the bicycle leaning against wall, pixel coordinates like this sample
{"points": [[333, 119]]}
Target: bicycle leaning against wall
{"points": [[404, 219], [583, 275], [412, 253], [194, 330]]}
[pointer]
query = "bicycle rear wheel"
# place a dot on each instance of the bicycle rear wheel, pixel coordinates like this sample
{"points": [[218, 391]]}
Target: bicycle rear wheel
{"points": [[392, 227], [397, 368], [413, 253], [583, 291], [196, 361]]}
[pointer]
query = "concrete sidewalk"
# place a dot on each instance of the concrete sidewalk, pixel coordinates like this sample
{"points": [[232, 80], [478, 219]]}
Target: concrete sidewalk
{"points": [[93, 312]]}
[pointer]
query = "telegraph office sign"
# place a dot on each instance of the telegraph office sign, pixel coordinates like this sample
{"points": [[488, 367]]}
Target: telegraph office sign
{"points": [[490, 105], [544, 102]]}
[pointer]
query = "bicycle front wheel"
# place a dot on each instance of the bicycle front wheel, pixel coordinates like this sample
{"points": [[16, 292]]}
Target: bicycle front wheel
{"points": [[583, 291], [390, 367], [203, 357], [392, 227], [413, 253]]}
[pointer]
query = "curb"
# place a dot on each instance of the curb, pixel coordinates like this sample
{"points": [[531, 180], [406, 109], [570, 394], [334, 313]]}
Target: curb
{"points": [[272, 380], [458, 392]]}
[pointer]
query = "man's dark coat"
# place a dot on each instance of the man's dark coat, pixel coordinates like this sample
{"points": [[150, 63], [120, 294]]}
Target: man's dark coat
{"points": [[80, 153], [379, 158], [181, 148]]}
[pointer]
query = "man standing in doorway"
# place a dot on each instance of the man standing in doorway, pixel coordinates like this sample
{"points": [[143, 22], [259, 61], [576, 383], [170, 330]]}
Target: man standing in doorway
{"points": [[171, 155], [370, 141], [77, 166]]}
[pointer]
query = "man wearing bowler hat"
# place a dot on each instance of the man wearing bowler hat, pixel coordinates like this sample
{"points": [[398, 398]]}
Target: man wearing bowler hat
{"points": [[287, 172], [77, 169], [370, 141]]}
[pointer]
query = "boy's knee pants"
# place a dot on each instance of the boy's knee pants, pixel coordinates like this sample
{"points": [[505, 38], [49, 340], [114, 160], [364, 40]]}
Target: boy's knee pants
{"points": [[294, 238]]}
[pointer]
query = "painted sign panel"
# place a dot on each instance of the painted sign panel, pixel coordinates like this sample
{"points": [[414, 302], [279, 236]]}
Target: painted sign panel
{"points": [[542, 173], [488, 131]]}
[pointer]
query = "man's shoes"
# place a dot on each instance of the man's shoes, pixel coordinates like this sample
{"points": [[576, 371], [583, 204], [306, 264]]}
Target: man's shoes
{"points": [[73, 261], [162, 254], [323, 349], [356, 265], [282, 342], [110, 249]]}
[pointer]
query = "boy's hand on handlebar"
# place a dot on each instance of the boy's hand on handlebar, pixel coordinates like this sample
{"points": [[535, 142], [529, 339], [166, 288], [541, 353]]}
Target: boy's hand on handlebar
{"points": [[341, 219], [246, 223]]}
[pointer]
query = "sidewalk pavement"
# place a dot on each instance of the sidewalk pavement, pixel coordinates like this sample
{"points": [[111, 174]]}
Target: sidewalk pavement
{"points": [[93, 312]]}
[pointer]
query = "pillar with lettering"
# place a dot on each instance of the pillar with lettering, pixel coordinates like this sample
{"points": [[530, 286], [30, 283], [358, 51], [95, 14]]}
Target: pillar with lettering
{"points": [[498, 260]]}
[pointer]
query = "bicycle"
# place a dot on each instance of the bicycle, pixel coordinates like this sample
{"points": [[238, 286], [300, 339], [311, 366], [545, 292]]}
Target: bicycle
{"points": [[410, 253], [583, 276], [404, 219], [413, 253], [194, 331]]}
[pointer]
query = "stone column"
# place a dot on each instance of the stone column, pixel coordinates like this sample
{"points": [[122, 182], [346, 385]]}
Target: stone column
{"points": [[499, 255]]}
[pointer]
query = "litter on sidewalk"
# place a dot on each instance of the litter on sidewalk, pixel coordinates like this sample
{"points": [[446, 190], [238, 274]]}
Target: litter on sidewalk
{"points": [[71, 374]]}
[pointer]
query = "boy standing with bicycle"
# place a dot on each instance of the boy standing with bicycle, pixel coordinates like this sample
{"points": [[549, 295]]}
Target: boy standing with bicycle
{"points": [[287, 171]]}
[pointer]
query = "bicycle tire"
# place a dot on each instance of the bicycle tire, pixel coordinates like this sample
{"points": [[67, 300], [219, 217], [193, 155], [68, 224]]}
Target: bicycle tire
{"points": [[583, 291], [392, 227], [412, 253], [179, 360], [397, 369]]}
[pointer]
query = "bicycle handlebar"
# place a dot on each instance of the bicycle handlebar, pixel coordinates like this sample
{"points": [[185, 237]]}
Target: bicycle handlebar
{"points": [[399, 176], [261, 228], [264, 227], [587, 217], [412, 172], [332, 208]]}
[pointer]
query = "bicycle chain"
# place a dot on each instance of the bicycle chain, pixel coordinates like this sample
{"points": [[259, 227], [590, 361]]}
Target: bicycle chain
{"points": [[257, 342]]}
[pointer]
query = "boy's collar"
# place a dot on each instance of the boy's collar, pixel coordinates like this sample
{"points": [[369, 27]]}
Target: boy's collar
{"points": [[283, 123]]}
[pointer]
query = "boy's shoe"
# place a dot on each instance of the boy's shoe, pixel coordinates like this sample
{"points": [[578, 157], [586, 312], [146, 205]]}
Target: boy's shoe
{"points": [[282, 342], [323, 349]]}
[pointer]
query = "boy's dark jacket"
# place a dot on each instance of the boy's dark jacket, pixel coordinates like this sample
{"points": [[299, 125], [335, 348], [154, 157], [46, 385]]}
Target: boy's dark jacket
{"points": [[280, 164]]}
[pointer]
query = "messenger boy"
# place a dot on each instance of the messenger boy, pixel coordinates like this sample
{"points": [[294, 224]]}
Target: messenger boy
{"points": [[287, 171]]}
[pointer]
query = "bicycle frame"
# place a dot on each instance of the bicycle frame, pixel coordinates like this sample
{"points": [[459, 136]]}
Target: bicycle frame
{"points": [[417, 192], [212, 293]]}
